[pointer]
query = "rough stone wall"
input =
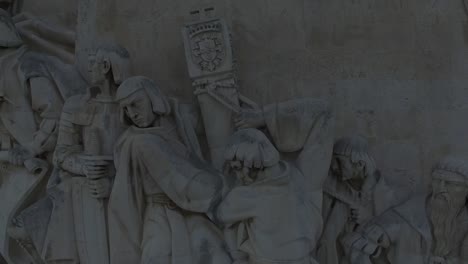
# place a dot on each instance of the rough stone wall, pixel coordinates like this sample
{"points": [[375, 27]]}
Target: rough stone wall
{"points": [[395, 71]]}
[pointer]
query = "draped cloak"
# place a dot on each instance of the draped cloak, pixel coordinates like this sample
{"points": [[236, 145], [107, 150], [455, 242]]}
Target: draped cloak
{"points": [[161, 160]]}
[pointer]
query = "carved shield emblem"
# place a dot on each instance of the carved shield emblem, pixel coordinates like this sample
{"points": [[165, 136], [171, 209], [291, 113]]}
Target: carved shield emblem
{"points": [[208, 47], [208, 52]]}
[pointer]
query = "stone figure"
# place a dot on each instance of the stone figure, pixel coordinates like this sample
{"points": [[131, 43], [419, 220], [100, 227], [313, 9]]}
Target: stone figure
{"points": [[302, 131], [354, 193], [426, 229], [16, 113], [48, 82], [33, 88], [89, 127], [163, 188], [265, 215]]}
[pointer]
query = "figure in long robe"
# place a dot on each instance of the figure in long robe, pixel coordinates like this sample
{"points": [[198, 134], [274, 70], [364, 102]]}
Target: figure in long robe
{"points": [[89, 128], [426, 229], [302, 131], [265, 216], [163, 188], [354, 193], [33, 87]]}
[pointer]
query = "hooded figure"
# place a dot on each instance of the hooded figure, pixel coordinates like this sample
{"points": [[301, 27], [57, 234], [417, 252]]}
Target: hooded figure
{"points": [[354, 193], [163, 189], [426, 229], [265, 215]]}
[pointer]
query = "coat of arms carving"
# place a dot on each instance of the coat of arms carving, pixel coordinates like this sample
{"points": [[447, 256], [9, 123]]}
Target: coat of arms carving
{"points": [[208, 48]]}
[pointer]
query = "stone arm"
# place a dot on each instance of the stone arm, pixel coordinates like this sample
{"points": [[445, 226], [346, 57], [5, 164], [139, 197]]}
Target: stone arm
{"points": [[189, 183], [239, 205], [46, 37], [47, 104], [305, 126], [68, 146], [194, 117]]}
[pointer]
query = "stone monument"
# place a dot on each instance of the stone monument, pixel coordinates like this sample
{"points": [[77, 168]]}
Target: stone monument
{"points": [[123, 141]]}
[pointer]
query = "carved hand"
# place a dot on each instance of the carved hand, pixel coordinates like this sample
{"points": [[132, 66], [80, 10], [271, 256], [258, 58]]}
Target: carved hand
{"points": [[361, 214], [358, 249], [249, 119], [100, 188], [19, 154], [95, 169], [377, 235]]}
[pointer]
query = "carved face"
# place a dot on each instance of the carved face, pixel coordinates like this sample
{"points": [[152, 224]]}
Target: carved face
{"points": [[138, 109], [244, 174], [346, 169], [447, 199], [451, 192], [98, 67]]}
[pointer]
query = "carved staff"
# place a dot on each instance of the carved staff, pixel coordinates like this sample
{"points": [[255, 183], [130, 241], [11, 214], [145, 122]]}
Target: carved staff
{"points": [[210, 64]]}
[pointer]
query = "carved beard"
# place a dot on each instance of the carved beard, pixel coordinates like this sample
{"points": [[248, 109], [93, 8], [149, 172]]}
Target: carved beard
{"points": [[444, 225]]}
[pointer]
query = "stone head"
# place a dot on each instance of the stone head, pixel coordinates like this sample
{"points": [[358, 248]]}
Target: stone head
{"points": [[9, 36], [141, 102], [109, 62], [450, 181], [249, 153], [351, 159], [448, 199]]}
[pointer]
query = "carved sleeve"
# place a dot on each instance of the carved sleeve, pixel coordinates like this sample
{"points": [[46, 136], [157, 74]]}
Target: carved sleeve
{"points": [[305, 126], [238, 205], [68, 146], [189, 184], [47, 104], [292, 122]]}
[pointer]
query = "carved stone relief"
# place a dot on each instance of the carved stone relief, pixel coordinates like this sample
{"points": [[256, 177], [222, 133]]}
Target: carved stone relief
{"points": [[111, 170]]}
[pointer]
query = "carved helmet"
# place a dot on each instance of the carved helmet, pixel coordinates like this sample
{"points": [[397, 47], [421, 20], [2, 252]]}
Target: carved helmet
{"points": [[451, 169], [159, 101], [9, 36], [253, 148]]}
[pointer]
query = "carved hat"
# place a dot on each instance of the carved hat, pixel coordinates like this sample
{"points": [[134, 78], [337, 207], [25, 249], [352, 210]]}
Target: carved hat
{"points": [[159, 101], [9, 36], [452, 169], [253, 148]]}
